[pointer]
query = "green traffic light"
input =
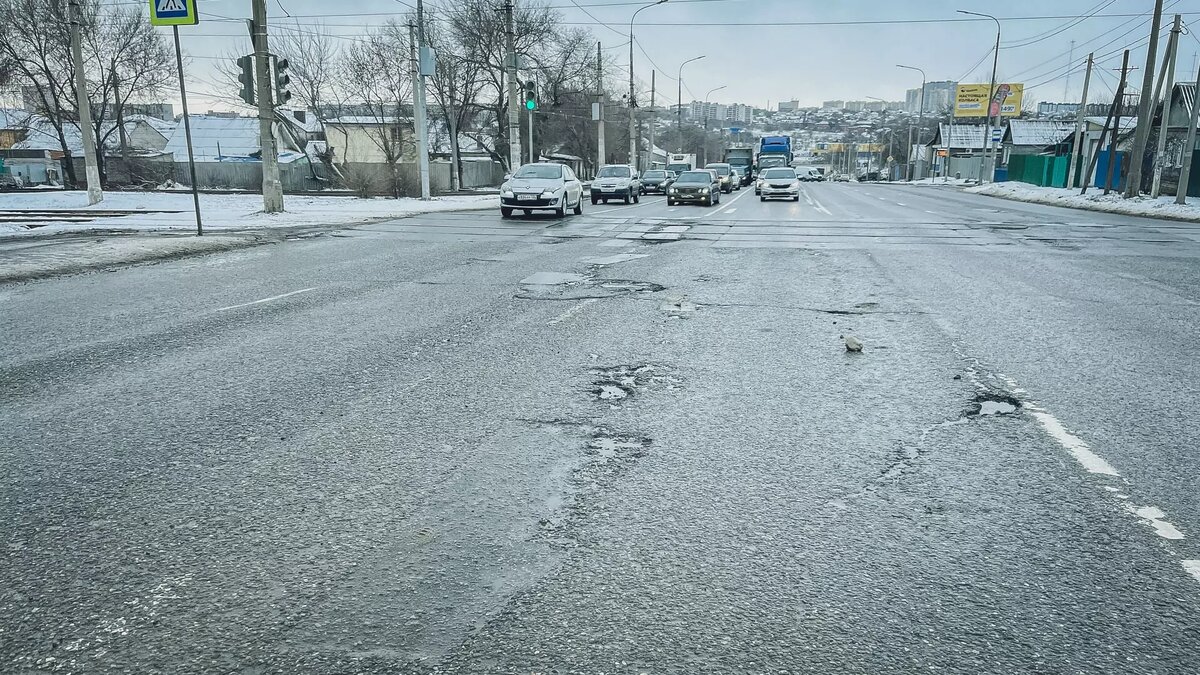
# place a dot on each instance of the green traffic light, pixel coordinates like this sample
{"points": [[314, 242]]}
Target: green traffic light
{"points": [[531, 104]]}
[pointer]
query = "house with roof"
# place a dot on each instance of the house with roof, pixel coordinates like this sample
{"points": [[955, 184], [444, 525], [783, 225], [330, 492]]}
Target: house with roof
{"points": [[1037, 137], [1183, 105], [363, 138], [957, 150]]}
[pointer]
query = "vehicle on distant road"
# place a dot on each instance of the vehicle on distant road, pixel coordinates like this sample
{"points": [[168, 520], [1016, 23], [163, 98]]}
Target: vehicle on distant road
{"points": [[774, 151], [695, 187], [681, 162], [779, 182], [542, 186], [725, 176], [808, 174], [616, 181], [741, 159], [656, 181]]}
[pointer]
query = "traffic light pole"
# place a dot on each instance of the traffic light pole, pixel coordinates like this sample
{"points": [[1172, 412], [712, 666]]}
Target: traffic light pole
{"points": [[272, 189], [187, 133], [514, 117]]}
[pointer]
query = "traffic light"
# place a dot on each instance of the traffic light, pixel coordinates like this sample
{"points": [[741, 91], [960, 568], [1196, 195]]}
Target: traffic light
{"points": [[531, 95], [246, 77], [282, 95]]}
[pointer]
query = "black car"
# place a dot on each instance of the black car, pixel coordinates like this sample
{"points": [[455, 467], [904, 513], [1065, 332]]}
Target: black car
{"points": [[695, 187], [657, 181]]}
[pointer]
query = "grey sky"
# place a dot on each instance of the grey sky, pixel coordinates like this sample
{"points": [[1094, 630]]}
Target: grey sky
{"points": [[777, 62]]}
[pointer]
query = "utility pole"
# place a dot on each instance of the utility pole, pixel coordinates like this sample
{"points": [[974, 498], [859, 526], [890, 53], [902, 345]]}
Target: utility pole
{"points": [[1112, 109], [122, 136], [1116, 132], [1079, 115], [1070, 62], [272, 189], [653, 123], [599, 109], [1166, 79], [1133, 186], [1189, 148], [420, 115], [95, 194], [988, 170], [514, 117], [633, 139], [422, 127]]}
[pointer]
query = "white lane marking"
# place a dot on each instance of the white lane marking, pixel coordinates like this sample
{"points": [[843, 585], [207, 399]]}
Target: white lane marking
{"points": [[931, 212], [899, 204], [820, 207], [1073, 444], [1192, 567], [731, 210], [1155, 518], [626, 207], [882, 199], [672, 209], [570, 312], [731, 203], [273, 297]]}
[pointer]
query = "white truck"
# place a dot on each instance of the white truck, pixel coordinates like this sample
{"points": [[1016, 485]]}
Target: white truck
{"points": [[680, 163]]}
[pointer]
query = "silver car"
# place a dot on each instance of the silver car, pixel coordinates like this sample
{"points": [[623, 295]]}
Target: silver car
{"points": [[543, 186], [780, 181]]}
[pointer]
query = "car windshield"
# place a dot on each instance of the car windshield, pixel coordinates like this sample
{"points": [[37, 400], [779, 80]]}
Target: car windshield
{"points": [[655, 174], [721, 170], [695, 177], [614, 172], [776, 174], [539, 171]]}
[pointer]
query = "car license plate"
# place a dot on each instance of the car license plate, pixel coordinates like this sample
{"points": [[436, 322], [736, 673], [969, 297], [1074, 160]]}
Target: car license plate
{"points": [[527, 198], [608, 189]]}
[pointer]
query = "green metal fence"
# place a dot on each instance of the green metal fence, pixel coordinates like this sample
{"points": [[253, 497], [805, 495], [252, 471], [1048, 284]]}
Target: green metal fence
{"points": [[1043, 170]]}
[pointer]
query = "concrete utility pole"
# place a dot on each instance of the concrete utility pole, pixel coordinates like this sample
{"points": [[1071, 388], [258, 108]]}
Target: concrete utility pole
{"points": [[633, 140], [1189, 149], [1076, 151], [599, 109], [1112, 109], [1133, 186], [912, 165], [272, 189], [84, 103], [988, 169], [121, 135], [653, 123], [1070, 62], [514, 117], [420, 115], [1118, 104], [1166, 79]]}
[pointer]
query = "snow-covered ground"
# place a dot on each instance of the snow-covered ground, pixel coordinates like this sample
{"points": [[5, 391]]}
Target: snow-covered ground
{"points": [[1094, 200], [173, 210], [937, 181]]}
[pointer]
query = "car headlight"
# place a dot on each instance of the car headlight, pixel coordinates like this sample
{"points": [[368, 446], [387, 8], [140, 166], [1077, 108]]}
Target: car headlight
{"points": [[672, 191], [507, 193], [548, 193], [703, 190]]}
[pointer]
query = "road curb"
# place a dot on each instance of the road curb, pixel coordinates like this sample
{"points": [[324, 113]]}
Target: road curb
{"points": [[1094, 206]]}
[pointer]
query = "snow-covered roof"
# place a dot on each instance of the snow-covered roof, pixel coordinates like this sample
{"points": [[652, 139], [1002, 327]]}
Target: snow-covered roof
{"points": [[161, 126], [1039, 133], [346, 120], [310, 124], [1127, 123], [1185, 94], [214, 137]]}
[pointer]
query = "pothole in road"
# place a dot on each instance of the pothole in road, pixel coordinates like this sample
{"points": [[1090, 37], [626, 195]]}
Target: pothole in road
{"points": [[617, 383], [629, 285], [608, 446], [993, 403]]}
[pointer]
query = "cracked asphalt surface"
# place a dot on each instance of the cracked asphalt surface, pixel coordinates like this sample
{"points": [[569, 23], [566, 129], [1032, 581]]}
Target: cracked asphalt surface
{"points": [[630, 441]]}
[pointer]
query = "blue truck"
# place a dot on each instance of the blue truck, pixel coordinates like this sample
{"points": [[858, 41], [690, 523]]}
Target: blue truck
{"points": [[774, 151]]}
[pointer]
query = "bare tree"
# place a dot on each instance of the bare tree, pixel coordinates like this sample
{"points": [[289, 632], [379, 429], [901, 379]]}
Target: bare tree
{"points": [[124, 58], [455, 87], [313, 57], [375, 75]]}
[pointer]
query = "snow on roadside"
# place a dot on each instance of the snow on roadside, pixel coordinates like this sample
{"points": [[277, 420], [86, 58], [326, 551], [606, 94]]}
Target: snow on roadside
{"points": [[173, 210], [1094, 200]]}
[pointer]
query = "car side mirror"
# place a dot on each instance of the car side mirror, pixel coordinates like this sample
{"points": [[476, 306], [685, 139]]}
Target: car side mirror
{"points": [[507, 176]]}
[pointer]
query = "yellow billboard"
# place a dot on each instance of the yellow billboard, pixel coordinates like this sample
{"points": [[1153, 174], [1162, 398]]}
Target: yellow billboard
{"points": [[970, 100]]}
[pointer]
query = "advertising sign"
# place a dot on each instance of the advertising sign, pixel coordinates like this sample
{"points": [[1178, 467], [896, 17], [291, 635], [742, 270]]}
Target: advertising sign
{"points": [[971, 100]]}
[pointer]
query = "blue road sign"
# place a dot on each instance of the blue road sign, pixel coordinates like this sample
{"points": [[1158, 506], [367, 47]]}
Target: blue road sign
{"points": [[173, 12]]}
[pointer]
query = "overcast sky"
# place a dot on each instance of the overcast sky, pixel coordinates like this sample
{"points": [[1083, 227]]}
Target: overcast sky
{"points": [[775, 61]]}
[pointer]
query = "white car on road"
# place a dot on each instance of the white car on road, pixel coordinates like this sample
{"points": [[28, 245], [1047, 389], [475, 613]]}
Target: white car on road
{"points": [[543, 186], [778, 182]]}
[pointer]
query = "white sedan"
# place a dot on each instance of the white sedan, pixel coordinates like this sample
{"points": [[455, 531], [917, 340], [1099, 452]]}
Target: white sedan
{"points": [[543, 186], [778, 182]]}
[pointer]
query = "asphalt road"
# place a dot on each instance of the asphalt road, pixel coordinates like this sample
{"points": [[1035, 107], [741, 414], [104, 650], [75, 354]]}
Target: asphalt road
{"points": [[629, 441]]}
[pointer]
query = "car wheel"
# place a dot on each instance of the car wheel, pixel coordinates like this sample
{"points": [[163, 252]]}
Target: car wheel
{"points": [[762, 199], [594, 200], [796, 198], [670, 202], [579, 206], [605, 200], [757, 192], [505, 212], [561, 211]]}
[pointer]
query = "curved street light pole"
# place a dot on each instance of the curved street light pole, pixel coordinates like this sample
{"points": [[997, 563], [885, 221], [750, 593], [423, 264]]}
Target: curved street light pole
{"points": [[632, 126], [912, 165], [679, 100], [704, 144], [988, 169]]}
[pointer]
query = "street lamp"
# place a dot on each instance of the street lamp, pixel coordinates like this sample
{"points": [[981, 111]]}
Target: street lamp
{"points": [[679, 99], [704, 145], [912, 165], [882, 123], [987, 169], [632, 128]]}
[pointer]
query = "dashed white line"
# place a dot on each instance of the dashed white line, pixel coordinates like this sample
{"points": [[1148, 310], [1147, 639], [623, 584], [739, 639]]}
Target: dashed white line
{"points": [[899, 204], [1192, 567], [1073, 444], [731, 210], [273, 297], [570, 312]]}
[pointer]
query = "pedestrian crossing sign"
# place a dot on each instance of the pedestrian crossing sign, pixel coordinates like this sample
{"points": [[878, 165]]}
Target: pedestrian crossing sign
{"points": [[173, 12]]}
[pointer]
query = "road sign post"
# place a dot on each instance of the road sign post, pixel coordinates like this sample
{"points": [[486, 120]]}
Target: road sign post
{"points": [[176, 13]]}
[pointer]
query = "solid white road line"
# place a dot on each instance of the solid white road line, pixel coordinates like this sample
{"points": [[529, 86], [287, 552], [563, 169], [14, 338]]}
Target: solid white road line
{"points": [[273, 297], [570, 312]]}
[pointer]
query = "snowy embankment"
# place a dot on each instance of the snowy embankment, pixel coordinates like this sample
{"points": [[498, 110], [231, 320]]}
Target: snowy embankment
{"points": [[173, 211], [1094, 200]]}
